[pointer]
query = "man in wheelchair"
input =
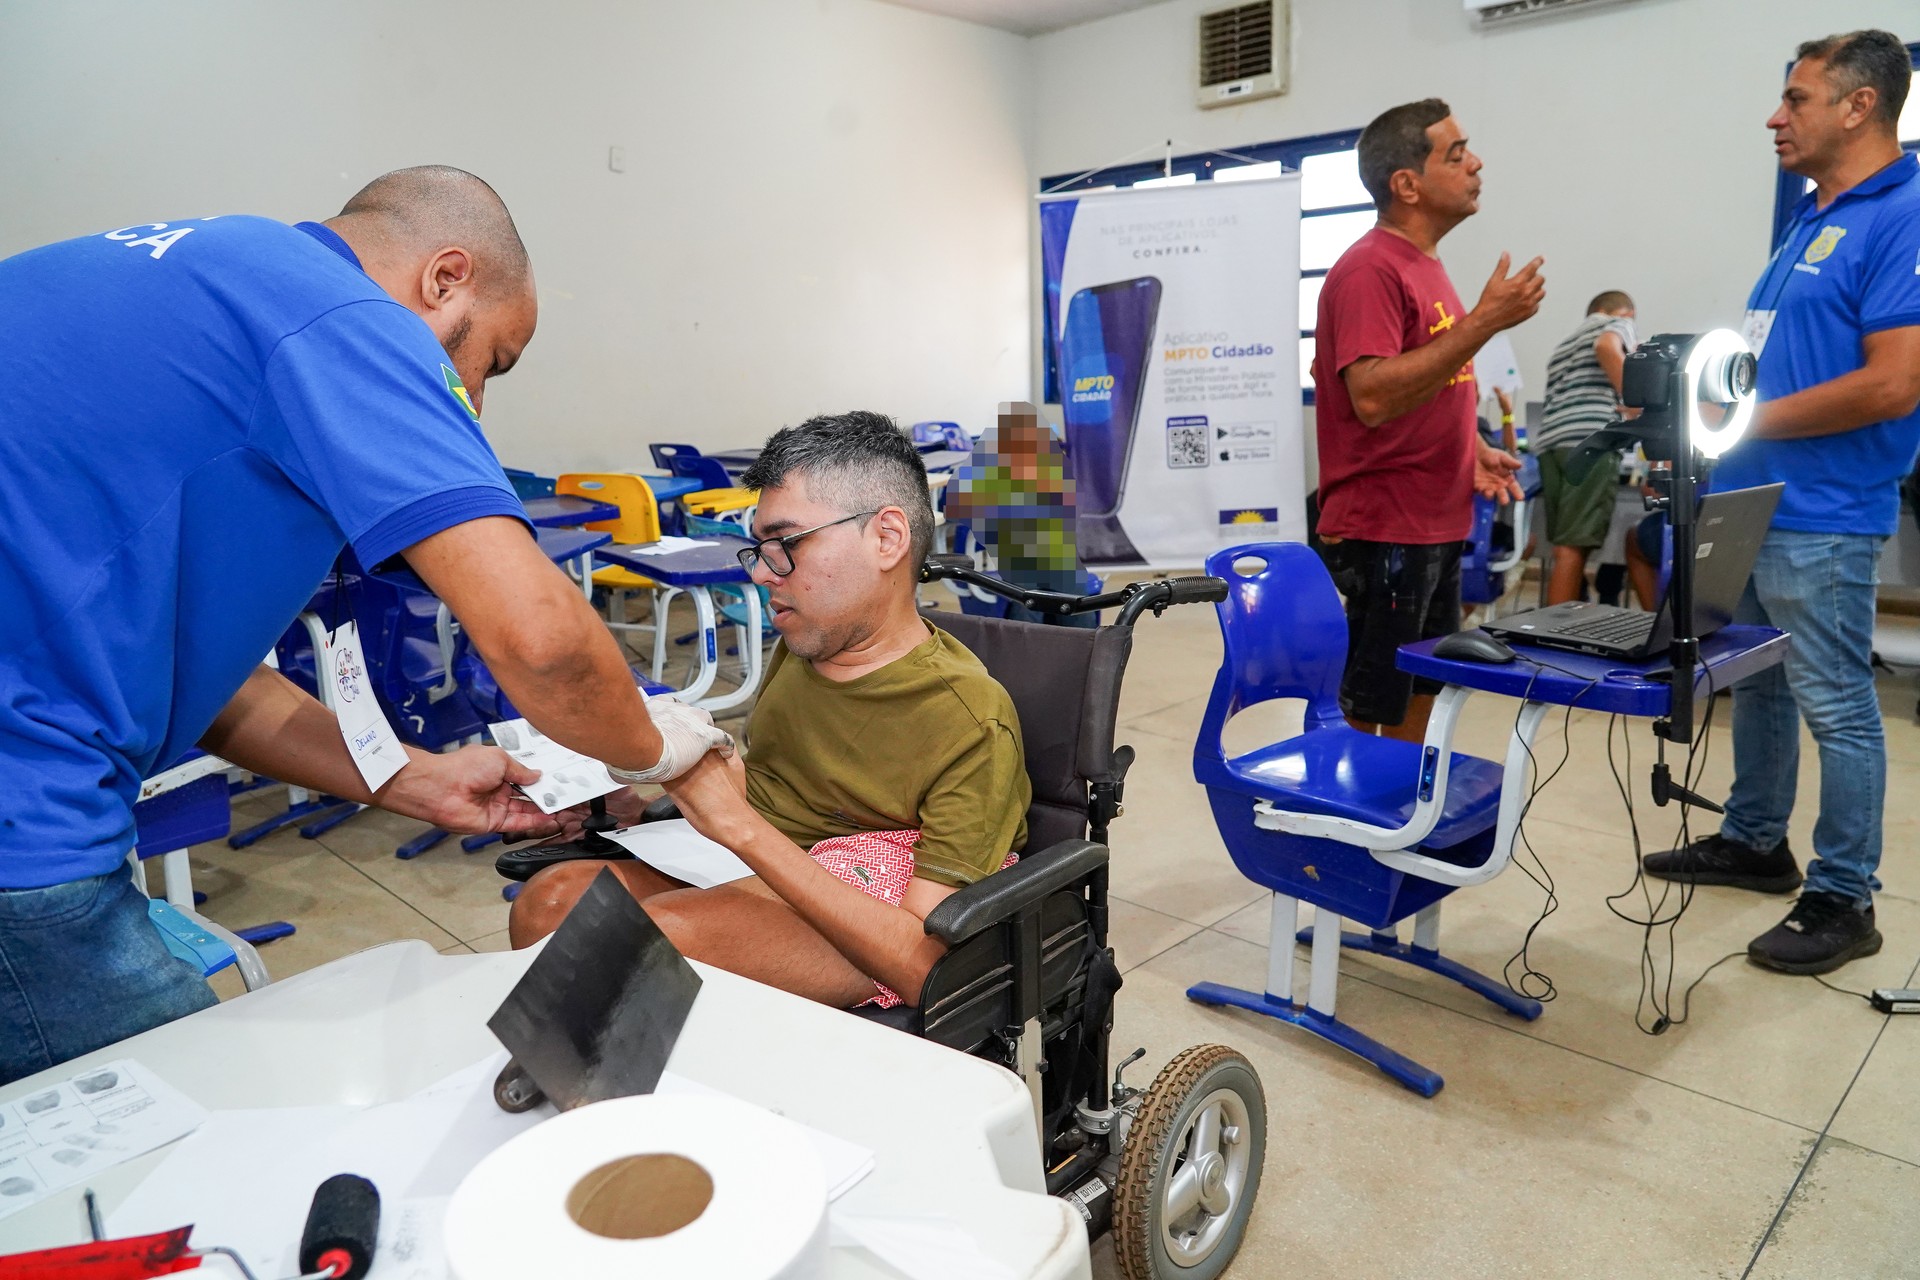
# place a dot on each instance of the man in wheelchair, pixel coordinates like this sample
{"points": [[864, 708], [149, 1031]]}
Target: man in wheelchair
{"points": [[885, 769]]}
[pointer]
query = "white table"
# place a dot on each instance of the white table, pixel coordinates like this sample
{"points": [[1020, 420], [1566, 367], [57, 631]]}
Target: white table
{"points": [[953, 1135]]}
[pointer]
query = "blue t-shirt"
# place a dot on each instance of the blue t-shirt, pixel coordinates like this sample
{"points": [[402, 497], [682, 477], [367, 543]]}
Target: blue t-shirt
{"points": [[195, 418], [1841, 273]]}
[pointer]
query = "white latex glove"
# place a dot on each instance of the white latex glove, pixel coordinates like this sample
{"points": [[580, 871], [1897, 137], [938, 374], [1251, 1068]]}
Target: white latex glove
{"points": [[686, 734]]}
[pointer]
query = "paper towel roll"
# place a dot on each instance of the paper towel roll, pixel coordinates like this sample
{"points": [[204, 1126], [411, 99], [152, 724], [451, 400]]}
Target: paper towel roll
{"points": [[645, 1187]]}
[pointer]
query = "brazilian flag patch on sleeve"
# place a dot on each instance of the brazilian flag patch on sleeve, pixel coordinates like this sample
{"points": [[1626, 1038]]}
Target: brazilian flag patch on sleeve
{"points": [[458, 390]]}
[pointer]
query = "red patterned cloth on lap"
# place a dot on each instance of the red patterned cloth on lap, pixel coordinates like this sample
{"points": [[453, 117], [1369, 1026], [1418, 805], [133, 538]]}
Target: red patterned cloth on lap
{"points": [[880, 865]]}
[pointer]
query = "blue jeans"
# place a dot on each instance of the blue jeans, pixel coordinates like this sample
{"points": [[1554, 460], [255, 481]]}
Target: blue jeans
{"points": [[82, 966], [1819, 587]]}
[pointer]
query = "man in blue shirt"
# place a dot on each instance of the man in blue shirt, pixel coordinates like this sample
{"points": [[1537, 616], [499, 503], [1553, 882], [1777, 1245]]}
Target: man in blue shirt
{"points": [[1836, 322], [196, 417]]}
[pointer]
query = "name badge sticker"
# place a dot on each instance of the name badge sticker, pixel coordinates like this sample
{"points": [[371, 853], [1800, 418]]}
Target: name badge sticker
{"points": [[375, 748], [1758, 325]]}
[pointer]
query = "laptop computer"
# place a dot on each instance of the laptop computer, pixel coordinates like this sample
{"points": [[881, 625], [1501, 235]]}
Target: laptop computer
{"points": [[1729, 529]]}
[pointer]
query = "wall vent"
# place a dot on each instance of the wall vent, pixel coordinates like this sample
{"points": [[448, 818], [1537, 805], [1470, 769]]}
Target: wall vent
{"points": [[1493, 13], [1243, 52]]}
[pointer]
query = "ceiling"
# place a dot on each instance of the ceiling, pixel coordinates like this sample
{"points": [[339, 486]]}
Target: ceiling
{"points": [[1026, 17]]}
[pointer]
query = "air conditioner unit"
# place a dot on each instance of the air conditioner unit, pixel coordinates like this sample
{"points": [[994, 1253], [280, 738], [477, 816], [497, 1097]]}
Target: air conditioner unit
{"points": [[1491, 13], [1243, 52]]}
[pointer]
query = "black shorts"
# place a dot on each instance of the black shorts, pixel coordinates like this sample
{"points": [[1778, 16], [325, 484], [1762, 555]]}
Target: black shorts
{"points": [[1396, 594]]}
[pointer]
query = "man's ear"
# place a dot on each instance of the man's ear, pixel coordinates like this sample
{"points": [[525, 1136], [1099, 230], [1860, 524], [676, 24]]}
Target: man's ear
{"points": [[445, 276], [1861, 104], [1405, 186], [896, 536]]}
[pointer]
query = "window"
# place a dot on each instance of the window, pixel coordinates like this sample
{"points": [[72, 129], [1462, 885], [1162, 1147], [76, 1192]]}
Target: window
{"points": [[1335, 209], [1792, 186]]}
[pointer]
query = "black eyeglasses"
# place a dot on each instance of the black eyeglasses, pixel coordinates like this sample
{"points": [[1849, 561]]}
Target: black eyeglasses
{"points": [[777, 553]]}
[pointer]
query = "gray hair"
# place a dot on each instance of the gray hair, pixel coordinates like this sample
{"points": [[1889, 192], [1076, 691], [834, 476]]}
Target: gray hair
{"points": [[433, 205], [855, 461], [1866, 60], [1395, 140]]}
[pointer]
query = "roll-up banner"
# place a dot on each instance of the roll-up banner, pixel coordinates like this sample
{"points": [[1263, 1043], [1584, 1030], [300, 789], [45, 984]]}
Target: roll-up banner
{"points": [[1174, 318]]}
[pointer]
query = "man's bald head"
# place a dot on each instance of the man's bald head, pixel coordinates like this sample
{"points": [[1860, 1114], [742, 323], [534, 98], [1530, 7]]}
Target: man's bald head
{"points": [[442, 244], [415, 211]]}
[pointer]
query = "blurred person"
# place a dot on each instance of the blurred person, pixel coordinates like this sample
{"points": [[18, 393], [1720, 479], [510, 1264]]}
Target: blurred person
{"points": [[1583, 396]]}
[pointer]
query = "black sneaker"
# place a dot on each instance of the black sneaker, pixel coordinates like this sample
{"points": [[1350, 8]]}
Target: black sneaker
{"points": [[1718, 860], [1821, 933]]}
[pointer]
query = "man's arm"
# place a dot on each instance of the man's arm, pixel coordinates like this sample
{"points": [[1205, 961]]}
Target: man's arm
{"points": [[887, 943], [549, 650], [1885, 387], [272, 727], [1611, 352], [1386, 387]]}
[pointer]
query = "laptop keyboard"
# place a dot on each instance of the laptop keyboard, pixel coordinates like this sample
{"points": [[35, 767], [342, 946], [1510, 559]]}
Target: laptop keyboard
{"points": [[1610, 628]]}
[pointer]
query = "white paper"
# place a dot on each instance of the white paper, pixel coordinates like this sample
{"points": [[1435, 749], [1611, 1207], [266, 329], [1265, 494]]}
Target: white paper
{"points": [[64, 1135], [370, 740], [567, 778], [670, 544], [674, 848], [1755, 330], [415, 1151], [925, 1248]]}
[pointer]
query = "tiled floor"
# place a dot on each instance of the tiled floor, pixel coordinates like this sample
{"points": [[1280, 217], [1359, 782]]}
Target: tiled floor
{"points": [[1772, 1135]]}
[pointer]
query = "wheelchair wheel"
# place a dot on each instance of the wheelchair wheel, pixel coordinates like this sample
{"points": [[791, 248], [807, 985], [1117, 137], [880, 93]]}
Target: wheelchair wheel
{"points": [[1191, 1168]]}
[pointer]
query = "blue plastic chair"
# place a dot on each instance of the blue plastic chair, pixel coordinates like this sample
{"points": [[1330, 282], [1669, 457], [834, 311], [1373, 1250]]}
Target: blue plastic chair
{"points": [[527, 484], [167, 823], [664, 454], [1480, 582], [928, 436], [708, 471], [1320, 817]]}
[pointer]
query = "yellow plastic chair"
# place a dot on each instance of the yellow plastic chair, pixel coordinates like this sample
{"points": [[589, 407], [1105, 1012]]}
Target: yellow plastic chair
{"points": [[718, 502], [639, 521]]}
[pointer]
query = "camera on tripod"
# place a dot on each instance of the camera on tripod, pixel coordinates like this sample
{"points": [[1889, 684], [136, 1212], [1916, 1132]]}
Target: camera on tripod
{"points": [[1667, 378]]}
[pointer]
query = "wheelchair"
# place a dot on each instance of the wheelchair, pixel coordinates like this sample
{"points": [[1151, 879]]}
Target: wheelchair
{"points": [[1028, 979]]}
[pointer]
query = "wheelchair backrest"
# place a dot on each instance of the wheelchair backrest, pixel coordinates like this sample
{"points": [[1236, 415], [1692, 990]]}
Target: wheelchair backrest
{"points": [[1065, 685]]}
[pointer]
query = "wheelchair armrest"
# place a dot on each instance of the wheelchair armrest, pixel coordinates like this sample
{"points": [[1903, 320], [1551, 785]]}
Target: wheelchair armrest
{"points": [[660, 809], [1004, 894]]}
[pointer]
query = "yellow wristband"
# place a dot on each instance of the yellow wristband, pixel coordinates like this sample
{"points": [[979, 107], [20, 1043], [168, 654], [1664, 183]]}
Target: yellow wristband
{"points": [[1506, 419]]}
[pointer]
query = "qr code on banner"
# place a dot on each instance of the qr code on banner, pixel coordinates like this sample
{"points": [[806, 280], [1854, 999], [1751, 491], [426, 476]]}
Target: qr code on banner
{"points": [[1187, 442]]}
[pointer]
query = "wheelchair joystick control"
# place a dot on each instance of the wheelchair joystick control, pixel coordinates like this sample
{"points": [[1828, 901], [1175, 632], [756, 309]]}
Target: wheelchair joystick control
{"points": [[598, 821]]}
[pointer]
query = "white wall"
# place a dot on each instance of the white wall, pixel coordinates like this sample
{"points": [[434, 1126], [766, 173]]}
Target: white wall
{"points": [[825, 206], [1623, 143]]}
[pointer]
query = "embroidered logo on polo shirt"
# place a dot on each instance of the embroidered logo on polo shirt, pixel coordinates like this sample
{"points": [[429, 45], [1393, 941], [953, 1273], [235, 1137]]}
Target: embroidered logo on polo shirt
{"points": [[1824, 244], [459, 390]]}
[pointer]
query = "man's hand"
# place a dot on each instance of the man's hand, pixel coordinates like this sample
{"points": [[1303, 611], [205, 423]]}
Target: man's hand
{"points": [[1493, 475], [625, 806], [1509, 300], [687, 733], [712, 797], [467, 791]]}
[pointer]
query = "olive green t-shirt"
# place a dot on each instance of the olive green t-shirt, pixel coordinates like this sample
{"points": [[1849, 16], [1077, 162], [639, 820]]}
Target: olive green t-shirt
{"points": [[929, 742]]}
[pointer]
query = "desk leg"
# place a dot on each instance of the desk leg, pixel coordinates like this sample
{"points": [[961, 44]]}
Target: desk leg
{"points": [[584, 570], [707, 636], [750, 650]]}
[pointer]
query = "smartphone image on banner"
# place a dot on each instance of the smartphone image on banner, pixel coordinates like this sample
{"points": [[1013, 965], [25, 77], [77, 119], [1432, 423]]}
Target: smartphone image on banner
{"points": [[1104, 349]]}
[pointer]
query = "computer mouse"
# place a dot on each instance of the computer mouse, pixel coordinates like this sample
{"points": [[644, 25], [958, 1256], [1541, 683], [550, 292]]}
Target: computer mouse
{"points": [[1473, 646]]}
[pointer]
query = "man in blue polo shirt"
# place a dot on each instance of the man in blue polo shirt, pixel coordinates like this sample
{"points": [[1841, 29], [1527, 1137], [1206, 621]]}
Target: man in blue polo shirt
{"points": [[196, 417], [1836, 322]]}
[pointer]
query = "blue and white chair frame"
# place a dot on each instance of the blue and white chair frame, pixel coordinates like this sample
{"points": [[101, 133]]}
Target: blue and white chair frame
{"points": [[189, 934], [1395, 849]]}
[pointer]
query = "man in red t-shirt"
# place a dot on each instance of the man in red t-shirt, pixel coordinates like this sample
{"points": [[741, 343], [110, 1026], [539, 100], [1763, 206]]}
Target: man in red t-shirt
{"points": [[1394, 401]]}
